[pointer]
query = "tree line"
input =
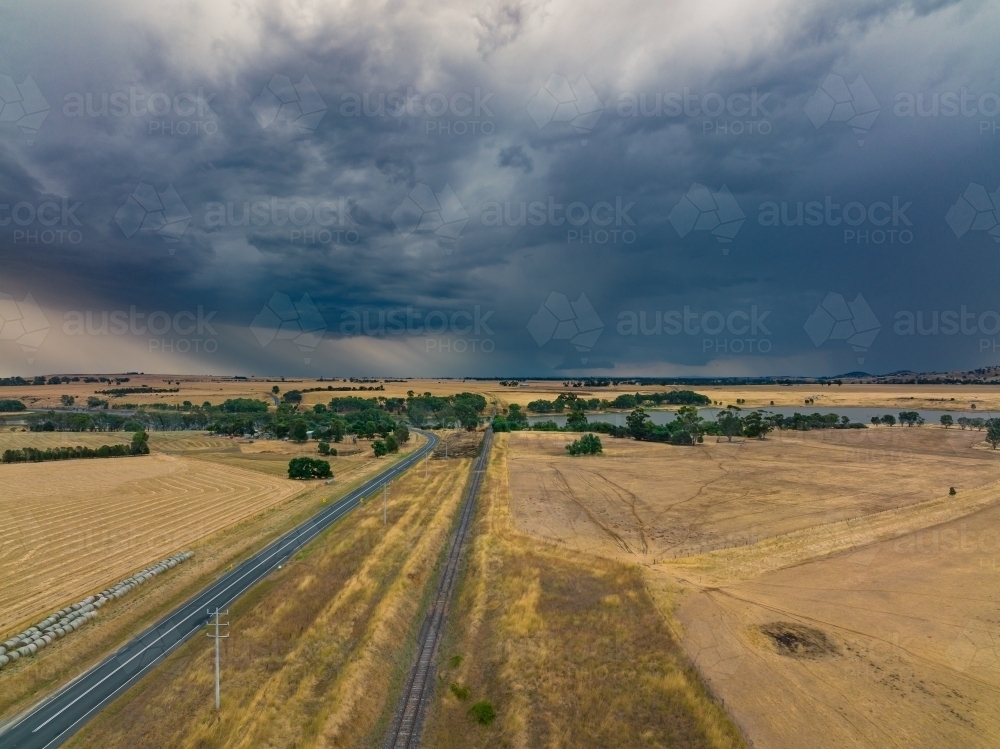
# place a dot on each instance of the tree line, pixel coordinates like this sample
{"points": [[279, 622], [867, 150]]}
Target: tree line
{"points": [[138, 446]]}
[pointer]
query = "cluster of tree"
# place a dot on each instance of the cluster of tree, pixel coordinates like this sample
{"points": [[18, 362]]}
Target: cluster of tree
{"points": [[588, 444], [325, 449], [816, 420], [57, 380], [515, 420], [137, 390], [445, 411], [906, 418], [566, 401], [383, 447], [11, 404], [138, 446], [309, 468], [571, 402]]}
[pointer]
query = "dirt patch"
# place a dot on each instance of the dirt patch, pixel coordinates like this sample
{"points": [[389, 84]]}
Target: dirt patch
{"points": [[798, 641], [459, 445]]}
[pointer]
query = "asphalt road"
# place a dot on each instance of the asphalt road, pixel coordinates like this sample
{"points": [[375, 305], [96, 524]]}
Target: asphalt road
{"points": [[54, 720]]}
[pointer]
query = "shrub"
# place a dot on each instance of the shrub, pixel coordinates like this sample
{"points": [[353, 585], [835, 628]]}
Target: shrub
{"points": [[11, 404], [325, 449], [459, 691], [952, 491], [482, 712], [309, 468], [588, 444]]}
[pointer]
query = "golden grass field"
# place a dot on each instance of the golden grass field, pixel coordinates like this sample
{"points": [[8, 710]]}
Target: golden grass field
{"points": [[111, 517], [569, 648], [318, 652], [198, 389], [825, 584]]}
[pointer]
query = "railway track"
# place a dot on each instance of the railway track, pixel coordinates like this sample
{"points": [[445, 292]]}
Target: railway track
{"points": [[404, 733]]}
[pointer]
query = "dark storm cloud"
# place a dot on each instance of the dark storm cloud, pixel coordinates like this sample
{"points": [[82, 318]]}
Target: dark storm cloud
{"points": [[676, 166]]}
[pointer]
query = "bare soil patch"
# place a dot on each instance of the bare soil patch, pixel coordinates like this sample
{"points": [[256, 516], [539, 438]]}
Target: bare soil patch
{"points": [[798, 641]]}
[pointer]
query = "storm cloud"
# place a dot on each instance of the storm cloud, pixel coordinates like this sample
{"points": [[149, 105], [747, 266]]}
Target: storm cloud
{"points": [[510, 189]]}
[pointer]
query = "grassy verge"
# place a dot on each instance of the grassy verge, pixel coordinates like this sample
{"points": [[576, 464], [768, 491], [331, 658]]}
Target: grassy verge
{"points": [[318, 651], [547, 647]]}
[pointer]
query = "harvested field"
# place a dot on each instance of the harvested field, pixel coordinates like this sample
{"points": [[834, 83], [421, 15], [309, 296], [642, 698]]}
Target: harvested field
{"points": [[43, 440], [825, 583], [644, 501], [318, 652], [74, 526], [31, 679], [569, 650]]}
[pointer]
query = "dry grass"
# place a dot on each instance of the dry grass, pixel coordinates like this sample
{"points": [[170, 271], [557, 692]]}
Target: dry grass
{"points": [[318, 652], [644, 501], [840, 598], [570, 650]]}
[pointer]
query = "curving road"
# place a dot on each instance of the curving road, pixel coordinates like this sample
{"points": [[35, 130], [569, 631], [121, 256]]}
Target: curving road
{"points": [[54, 720]]}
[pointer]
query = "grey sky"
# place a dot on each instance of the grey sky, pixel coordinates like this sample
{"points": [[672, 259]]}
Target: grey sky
{"points": [[379, 167]]}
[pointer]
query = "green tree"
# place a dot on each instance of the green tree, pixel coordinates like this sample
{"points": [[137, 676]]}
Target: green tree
{"points": [[67, 400], [379, 448], [946, 421], [588, 444], [324, 448], [467, 416], [638, 424], [275, 390], [576, 421], [500, 424], [888, 420], [309, 468], [299, 431], [391, 446], [401, 433], [993, 432], [516, 418], [755, 425], [730, 423]]}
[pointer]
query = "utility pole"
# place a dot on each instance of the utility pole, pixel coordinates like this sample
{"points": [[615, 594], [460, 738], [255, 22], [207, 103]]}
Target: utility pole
{"points": [[216, 636]]}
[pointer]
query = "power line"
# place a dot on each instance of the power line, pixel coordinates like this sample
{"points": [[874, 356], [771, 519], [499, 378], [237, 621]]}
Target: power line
{"points": [[216, 636]]}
